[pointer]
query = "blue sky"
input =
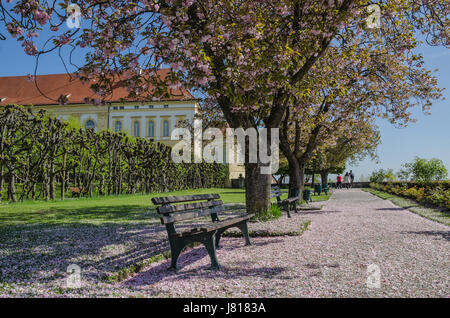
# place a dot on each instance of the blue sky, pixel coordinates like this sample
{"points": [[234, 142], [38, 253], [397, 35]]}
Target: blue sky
{"points": [[428, 138]]}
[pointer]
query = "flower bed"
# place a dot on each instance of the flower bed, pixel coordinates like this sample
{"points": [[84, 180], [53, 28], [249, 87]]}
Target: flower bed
{"points": [[435, 193]]}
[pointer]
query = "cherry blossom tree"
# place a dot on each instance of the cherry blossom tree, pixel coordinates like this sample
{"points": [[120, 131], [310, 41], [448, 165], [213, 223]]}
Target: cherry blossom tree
{"points": [[353, 143], [250, 56]]}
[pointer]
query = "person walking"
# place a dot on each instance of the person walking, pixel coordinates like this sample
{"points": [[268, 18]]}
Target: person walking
{"points": [[347, 180], [339, 182], [352, 178]]}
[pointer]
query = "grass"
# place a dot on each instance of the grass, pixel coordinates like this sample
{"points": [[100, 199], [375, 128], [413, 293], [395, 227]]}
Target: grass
{"points": [[431, 213], [98, 210], [136, 208]]}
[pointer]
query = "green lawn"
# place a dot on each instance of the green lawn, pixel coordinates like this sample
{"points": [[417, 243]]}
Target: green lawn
{"points": [[97, 210]]}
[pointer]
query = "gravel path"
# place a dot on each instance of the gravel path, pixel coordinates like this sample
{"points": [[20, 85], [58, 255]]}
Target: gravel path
{"points": [[354, 230]]}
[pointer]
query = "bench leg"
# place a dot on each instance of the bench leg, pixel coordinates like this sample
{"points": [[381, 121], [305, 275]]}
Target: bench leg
{"points": [[218, 236], [244, 229], [294, 206], [210, 244], [175, 250], [287, 207]]}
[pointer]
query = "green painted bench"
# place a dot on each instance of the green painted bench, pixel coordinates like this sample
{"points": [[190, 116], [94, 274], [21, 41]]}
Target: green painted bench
{"points": [[174, 209], [285, 203]]}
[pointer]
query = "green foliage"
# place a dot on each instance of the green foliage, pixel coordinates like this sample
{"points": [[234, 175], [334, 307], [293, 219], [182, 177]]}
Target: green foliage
{"points": [[435, 193], [381, 175], [270, 214], [42, 156], [424, 170], [433, 213]]}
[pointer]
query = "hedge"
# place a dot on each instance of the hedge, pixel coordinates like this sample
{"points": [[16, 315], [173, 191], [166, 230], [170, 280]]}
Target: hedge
{"points": [[436, 193], [41, 156]]}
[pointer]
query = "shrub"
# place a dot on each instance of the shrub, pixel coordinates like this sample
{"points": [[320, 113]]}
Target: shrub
{"points": [[436, 193]]}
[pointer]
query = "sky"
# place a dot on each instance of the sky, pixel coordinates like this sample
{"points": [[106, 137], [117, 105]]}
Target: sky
{"points": [[428, 138]]}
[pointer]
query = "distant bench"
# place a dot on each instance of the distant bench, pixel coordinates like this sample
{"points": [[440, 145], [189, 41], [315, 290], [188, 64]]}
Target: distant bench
{"points": [[285, 203], [208, 234], [78, 191]]}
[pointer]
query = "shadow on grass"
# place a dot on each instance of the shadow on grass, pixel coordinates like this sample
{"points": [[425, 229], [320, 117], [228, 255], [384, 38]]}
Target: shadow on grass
{"points": [[55, 215]]}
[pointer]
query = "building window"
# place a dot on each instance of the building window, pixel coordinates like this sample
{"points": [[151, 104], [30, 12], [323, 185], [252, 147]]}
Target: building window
{"points": [[115, 108], [122, 107], [90, 124], [166, 128], [136, 107], [118, 126], [136, 129], [166, 106], [151, 129], [150, 106]]}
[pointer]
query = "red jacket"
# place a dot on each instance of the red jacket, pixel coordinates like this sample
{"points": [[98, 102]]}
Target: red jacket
{"points": [[339, 179]]}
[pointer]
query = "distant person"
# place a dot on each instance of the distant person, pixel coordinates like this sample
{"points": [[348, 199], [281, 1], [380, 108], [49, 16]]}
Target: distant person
{"points": [[339, 182], [352, 178], [347, 180]]}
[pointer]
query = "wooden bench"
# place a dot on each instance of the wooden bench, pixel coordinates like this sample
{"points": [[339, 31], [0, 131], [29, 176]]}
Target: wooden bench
{"points": [[77, 191], [286, 203], [208, 234]]}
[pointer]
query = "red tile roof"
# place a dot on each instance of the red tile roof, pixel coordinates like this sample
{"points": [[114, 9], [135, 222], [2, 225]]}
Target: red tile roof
{"points": [[17, 90]]}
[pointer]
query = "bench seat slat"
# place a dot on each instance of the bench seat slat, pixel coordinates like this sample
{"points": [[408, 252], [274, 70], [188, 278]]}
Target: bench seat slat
{"points": [[165, 209], [180, 216], [184, 198]]}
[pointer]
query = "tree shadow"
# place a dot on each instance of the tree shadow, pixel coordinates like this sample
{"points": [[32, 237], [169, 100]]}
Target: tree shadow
{"points": [[161, 271], [43, 251], [390, 209], [439, 234], [58, 215], [317, 212], [318, 266]]}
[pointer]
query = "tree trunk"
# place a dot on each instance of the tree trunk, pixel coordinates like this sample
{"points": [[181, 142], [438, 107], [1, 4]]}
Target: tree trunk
{"points": [[301, 167], [52, 180], [257, 189], [324, 177], [63, 177], [295, 177], [12, 188], [1, 181]]}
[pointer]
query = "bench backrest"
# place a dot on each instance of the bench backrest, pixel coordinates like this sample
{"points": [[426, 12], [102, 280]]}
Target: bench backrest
{"points": [[171, 213], [276, 192]]}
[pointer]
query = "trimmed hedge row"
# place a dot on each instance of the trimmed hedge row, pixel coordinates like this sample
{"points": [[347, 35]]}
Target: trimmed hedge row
{"points": [[436, 193]]}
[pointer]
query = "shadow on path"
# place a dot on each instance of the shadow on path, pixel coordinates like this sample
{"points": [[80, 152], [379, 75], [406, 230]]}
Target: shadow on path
{"points": [[240, 269], [440, 234]]}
